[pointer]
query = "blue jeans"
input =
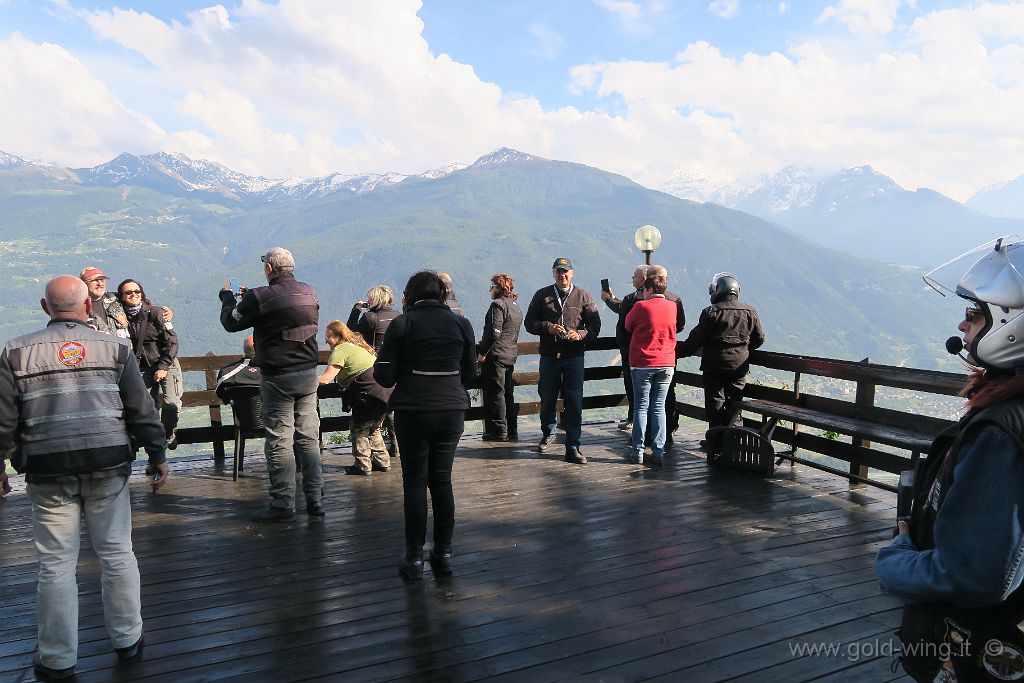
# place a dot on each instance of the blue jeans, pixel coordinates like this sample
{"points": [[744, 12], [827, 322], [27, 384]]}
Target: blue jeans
{"points": [[293, 434], [562, 375], [650, 387], [58, 507]]}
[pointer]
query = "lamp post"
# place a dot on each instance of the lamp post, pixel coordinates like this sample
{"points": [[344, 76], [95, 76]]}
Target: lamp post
{"points": [[647, 239]]}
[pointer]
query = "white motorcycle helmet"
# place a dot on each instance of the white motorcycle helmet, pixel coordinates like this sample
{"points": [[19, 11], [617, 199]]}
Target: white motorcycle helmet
{"points": [[991, 277]]}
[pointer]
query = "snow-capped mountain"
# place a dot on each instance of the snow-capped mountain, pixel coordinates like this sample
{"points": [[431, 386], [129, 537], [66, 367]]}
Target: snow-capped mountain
{"points": [[1002, 199], [802, 188], [503, 155], [11, 161], [178, 173], [700, 185], [863, 212], [445, 170]]}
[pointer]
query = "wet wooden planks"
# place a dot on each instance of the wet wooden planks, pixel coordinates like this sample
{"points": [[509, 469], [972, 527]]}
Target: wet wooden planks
{"points": [[609, 571]]}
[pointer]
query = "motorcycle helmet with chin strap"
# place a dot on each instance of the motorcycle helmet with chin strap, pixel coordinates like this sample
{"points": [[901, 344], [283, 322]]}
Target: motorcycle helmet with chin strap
{"points": [[722, 285], [991, 277]]}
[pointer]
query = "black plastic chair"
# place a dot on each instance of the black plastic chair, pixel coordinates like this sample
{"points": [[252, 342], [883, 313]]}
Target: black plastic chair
{"points": [[743, 448], [246, 407]]}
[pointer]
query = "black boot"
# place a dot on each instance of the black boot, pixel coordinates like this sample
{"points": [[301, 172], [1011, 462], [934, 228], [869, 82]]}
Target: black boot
{"points": [[410, 564], [441, 561]]}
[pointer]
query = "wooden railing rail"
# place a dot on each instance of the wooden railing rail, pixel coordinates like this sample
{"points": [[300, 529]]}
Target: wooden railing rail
{"points": [[859, 453]]}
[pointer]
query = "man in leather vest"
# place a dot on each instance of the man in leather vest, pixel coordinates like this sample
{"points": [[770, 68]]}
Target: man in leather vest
{"points": [[284, 317], [70, 396]]}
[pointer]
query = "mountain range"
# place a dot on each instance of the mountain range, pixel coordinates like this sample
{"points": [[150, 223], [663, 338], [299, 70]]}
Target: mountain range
{"points": [[863, 212], [177, 174], [183, 226]]}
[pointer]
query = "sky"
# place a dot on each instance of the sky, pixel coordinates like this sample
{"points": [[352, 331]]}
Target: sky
{"points": [[928, 92]]}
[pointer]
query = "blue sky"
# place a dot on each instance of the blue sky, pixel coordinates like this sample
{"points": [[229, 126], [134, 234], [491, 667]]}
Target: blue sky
{"points": [[930, 93]]}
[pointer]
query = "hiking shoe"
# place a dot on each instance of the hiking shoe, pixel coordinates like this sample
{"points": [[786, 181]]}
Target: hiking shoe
{"points": [[273, 514], [545, 443], [132, 651]]}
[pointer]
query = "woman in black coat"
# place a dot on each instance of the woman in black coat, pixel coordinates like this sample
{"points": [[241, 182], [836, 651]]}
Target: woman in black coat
{"points": [[429, 356], [154, 344]]}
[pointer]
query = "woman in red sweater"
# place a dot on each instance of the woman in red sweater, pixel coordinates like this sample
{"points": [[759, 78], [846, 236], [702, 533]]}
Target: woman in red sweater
{"points": [[652, 361]]}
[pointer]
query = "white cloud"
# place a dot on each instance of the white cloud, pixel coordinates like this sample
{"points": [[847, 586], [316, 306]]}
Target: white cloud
{"points": [[864, 16], [57, 111], [783, 7], [727, 9], [943, 111], [314, 86]]}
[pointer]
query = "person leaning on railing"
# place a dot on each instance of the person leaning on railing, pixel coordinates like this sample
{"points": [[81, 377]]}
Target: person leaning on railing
{"points": [[351, 366], [371, 318], [957, 561], [727, 331], [429, 357]]}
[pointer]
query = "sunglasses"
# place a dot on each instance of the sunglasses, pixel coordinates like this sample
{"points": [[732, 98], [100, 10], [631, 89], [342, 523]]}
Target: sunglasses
{"points": [[132, 292], [973, 314]]}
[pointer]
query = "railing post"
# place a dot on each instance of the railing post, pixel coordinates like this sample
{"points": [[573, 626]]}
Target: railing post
{"points": [[865, 397], [215, 419], [796, 400]]}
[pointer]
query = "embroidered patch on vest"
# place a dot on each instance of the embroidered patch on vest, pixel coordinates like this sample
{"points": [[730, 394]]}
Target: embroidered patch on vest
{"points": [[71, 353]]}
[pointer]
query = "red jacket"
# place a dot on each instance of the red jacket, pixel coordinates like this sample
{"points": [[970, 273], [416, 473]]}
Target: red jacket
{"points": [[652, 324]]}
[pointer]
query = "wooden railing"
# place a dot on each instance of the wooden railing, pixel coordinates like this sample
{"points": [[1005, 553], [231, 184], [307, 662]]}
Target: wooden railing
{"points": [[859, 454]]}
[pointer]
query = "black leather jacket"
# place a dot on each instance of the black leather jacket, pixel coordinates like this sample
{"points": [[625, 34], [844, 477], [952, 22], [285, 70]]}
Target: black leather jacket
{"points": [[502, 322], [429, 356], [372, 323], [728, 331], [284, 317], [153, 344]]}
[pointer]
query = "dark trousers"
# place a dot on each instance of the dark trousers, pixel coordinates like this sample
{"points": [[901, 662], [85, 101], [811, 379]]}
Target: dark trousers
{"points": [[627, 380], [428, 441], [562, 375], [160, 393], [500, 410], [720, 393]]}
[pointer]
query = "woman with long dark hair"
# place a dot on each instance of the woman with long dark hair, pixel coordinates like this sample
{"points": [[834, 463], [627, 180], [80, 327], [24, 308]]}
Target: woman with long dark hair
{"points": [[429, 357], [957, 560], [154, 344]]}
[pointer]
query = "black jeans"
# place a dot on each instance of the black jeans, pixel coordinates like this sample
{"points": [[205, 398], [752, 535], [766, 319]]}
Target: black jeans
{"points": [[500, 410], [627, 380], [720, 393], [428, 441]]}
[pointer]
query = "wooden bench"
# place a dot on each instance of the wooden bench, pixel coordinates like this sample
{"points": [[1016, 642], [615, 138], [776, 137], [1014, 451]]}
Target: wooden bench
{"points": [[865, 424], [910, 439]]}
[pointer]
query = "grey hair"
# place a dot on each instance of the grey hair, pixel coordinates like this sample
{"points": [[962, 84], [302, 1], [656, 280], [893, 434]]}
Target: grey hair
{"points": [[641, 270], [280, 260], [380, 296], [68, 297]]}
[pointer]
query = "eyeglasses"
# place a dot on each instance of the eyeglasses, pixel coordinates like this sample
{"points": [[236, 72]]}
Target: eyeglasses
{"points": [[973, 314], [132, 292], [101, 278]]}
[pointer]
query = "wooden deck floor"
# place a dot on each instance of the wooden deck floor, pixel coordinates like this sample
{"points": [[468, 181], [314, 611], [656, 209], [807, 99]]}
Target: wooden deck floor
{"points": [[610, 572]]}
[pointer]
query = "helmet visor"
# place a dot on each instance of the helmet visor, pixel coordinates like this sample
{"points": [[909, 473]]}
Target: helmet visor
{"points": [[966, 272]]}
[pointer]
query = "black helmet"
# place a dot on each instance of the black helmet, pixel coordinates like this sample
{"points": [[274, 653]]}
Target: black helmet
{"points": [[722, 285]]}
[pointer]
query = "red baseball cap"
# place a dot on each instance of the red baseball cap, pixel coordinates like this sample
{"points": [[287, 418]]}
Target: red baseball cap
{"points": [[91, 273]]}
